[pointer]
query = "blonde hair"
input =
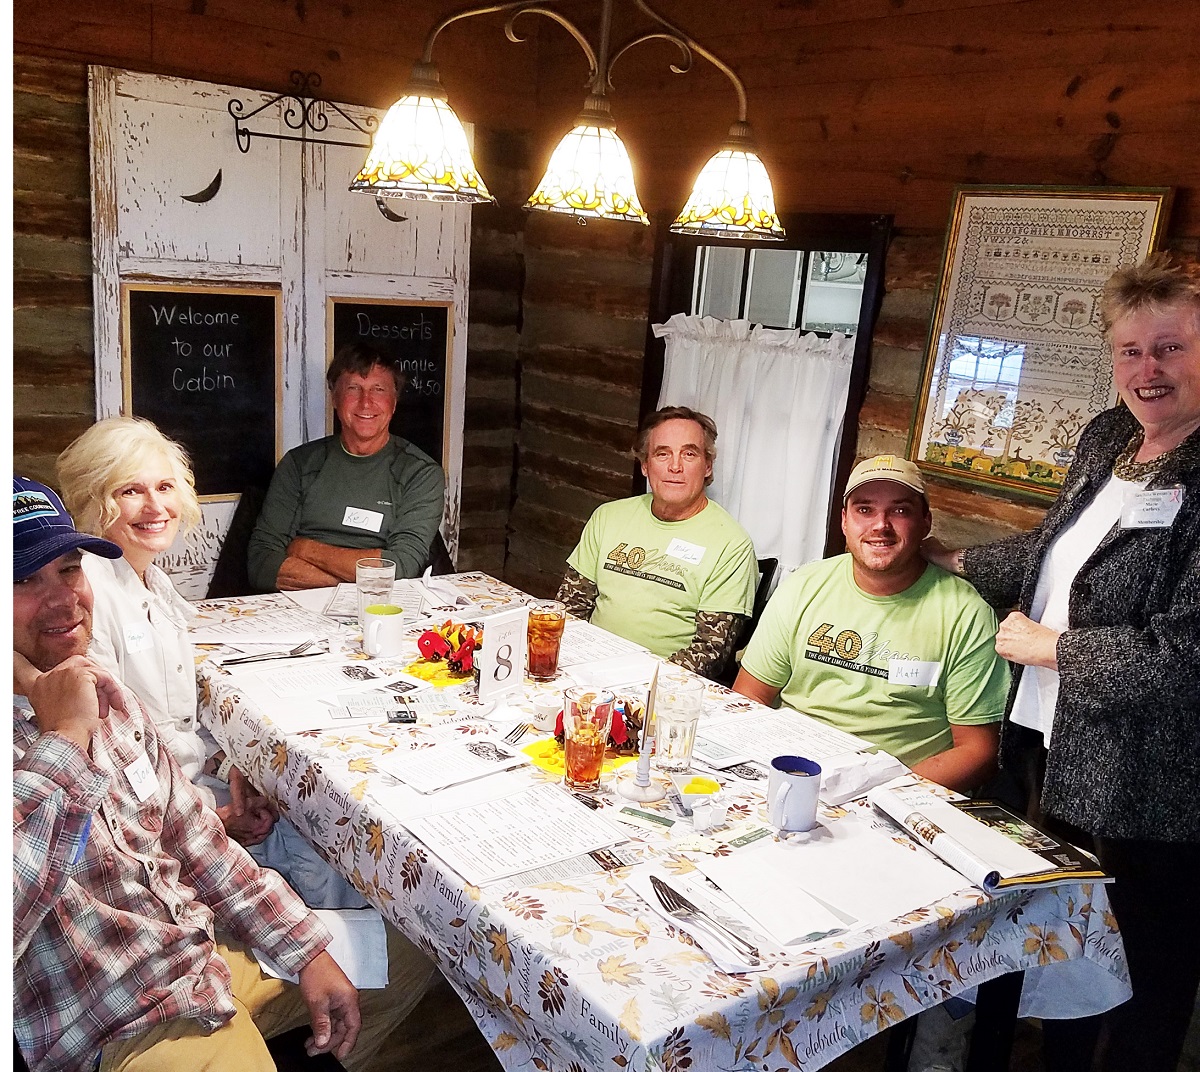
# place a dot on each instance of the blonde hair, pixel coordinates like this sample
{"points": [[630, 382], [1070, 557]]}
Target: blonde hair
{"points": [[1164, 278], [110, 455]]}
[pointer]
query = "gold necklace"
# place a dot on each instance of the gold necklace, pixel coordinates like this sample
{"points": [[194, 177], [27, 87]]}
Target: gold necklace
{"points": [[1125, 468]]}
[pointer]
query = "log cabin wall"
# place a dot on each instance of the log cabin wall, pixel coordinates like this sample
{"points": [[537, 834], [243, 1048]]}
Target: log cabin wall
{"points": [[363, 53], [870, 106], [884, 106]]}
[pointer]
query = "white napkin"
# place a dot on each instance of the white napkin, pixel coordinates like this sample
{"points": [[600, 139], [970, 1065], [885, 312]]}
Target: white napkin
{"points": [[726, 957], [863, 874], [779, 906], [359, 947], [619, 670], [846, 777]]}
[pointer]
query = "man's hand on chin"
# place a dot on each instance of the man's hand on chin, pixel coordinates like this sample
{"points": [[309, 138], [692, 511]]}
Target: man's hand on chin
{"points": [[72, 698]]}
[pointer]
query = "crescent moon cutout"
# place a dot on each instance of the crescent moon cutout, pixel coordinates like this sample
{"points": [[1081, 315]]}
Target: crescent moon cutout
{"points": [[208, 193], [387, 213]]}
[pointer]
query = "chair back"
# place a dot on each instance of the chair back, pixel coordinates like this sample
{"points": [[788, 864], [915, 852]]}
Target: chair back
{"points": [[230, 575], [439, 560], [767, 568]]}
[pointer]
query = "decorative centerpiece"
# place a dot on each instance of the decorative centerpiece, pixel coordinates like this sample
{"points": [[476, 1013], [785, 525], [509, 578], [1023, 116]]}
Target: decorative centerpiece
{"points": [[447, 653]]}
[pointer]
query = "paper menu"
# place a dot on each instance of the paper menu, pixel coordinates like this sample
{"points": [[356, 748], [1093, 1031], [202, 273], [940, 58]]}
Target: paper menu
{"points": [[764, 733], [314, 679], [450, 763], [583, 642], [489, 841], [277, 625], [410, 596]]}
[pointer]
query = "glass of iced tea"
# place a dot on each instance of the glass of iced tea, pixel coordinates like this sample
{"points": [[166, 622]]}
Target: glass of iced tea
{"points": [[587, 718], [547, 617]]}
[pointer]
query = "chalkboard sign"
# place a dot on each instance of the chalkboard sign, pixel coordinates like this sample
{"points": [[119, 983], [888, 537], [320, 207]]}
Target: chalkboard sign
{"points": [[418, 335], [202, 364]]}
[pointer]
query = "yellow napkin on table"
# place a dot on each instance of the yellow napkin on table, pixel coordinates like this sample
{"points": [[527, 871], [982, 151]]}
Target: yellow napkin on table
{"points": [[547, 754]]}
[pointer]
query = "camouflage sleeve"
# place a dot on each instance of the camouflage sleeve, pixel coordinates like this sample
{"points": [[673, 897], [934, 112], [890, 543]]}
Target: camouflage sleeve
{"points": [[578, 594], [713, 644]]}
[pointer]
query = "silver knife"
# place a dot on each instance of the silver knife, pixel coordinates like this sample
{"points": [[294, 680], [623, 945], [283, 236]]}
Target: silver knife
{"points": [[679, 906]]}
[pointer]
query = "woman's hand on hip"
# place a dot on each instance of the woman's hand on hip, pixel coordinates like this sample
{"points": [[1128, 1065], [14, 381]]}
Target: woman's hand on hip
{"points": [[1022, 640]]}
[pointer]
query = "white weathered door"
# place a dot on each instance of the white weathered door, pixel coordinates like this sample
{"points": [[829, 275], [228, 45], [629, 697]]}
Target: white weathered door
{"points": [[175, 199]]}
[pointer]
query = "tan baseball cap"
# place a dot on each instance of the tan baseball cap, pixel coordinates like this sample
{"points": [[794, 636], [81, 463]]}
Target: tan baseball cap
{"points": [[885, 467]]}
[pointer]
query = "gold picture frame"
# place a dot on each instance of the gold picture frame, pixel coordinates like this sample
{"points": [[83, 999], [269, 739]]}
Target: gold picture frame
{"points": [[1016, 363]]}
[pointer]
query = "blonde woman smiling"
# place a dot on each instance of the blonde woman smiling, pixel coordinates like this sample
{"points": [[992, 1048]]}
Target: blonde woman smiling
{"points": [[124, 480]]}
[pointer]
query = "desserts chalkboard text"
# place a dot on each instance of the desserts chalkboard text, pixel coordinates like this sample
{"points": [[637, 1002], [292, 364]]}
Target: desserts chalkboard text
{"points": [[417, 335]]}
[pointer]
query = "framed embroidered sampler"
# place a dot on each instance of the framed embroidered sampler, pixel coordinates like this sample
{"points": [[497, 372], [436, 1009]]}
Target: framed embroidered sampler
{"points": [[1016, 363]]}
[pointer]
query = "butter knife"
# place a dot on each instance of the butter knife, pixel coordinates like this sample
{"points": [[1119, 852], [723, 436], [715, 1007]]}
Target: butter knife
{"points": [[681, 908]]}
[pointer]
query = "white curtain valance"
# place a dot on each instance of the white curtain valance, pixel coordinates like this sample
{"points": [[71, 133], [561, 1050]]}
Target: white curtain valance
{"points": [[778, 398]]}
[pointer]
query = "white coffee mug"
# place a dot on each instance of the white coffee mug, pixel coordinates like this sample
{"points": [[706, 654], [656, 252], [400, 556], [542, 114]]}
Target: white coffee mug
{"points": [[383, 630], [793, 787]]}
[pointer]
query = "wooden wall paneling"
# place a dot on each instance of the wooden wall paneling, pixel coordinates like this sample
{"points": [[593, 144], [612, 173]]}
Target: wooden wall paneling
{"points": [[116, 28], [52, 367], [586, 301]]}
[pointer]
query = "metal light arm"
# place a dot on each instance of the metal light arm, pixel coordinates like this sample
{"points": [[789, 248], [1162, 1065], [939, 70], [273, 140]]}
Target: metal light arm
{"points": [[686, 43], [599, 64]]}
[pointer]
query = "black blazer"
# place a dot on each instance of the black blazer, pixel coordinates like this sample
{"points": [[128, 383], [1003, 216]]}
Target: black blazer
{"points": [[1124, 757]]}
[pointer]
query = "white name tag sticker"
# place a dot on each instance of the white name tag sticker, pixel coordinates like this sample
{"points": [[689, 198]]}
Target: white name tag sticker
{"points": [[357, 518], [1151, 509], [138, 638], [914, 672], [691, 553], [142, 779]]}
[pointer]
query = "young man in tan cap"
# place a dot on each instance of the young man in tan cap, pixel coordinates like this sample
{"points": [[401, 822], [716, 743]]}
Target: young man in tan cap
{"points": [[883, 645]]}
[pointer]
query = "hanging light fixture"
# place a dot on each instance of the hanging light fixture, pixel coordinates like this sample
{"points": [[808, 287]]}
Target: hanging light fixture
{"points": [[422, 152], [590, 175], [732, 197], [421, 149]]}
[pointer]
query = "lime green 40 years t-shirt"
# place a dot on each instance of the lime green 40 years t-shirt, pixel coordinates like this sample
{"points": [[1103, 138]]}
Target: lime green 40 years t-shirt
{"points": [[653, 577], [831, 648]]}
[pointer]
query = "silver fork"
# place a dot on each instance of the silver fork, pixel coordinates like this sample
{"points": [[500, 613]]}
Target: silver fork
{"points": [[517, 732], [681, 908], [299, 649]]}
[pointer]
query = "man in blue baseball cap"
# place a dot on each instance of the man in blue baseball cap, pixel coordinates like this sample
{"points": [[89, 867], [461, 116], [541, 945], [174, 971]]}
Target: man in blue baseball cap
{"points": [[43, 530], [118, 867]]}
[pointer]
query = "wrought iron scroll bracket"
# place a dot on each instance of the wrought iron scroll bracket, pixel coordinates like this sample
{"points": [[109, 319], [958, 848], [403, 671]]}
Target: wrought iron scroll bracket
{"points": [[305, 113]]}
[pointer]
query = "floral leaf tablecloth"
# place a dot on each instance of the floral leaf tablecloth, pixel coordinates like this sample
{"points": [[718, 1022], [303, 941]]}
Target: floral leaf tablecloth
{"points": [[578, 973]]}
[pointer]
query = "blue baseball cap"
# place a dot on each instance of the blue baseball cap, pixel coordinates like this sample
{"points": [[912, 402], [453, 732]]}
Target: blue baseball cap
{"points": [[43, 530]]}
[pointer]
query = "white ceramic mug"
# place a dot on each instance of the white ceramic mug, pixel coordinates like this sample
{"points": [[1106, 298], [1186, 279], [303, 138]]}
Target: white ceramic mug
{"points": [[383, 630], [793, 787]]}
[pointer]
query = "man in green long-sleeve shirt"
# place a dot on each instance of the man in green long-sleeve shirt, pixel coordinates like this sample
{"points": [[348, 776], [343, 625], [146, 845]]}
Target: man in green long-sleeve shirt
{"points": [[335, 500]]}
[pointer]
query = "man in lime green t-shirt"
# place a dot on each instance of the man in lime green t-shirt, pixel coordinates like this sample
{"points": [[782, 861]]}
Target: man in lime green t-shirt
{"points": [[670, 570], [881, 644]]}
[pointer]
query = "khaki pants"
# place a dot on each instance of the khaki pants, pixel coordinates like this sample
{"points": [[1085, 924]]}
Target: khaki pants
{"points": [[266, 1008]]}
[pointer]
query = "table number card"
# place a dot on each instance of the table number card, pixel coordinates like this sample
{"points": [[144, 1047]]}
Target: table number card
{"points": [[501, 659]]}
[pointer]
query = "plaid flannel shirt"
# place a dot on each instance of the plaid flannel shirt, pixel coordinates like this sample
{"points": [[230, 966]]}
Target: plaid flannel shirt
{"points": [[114, 898]]}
